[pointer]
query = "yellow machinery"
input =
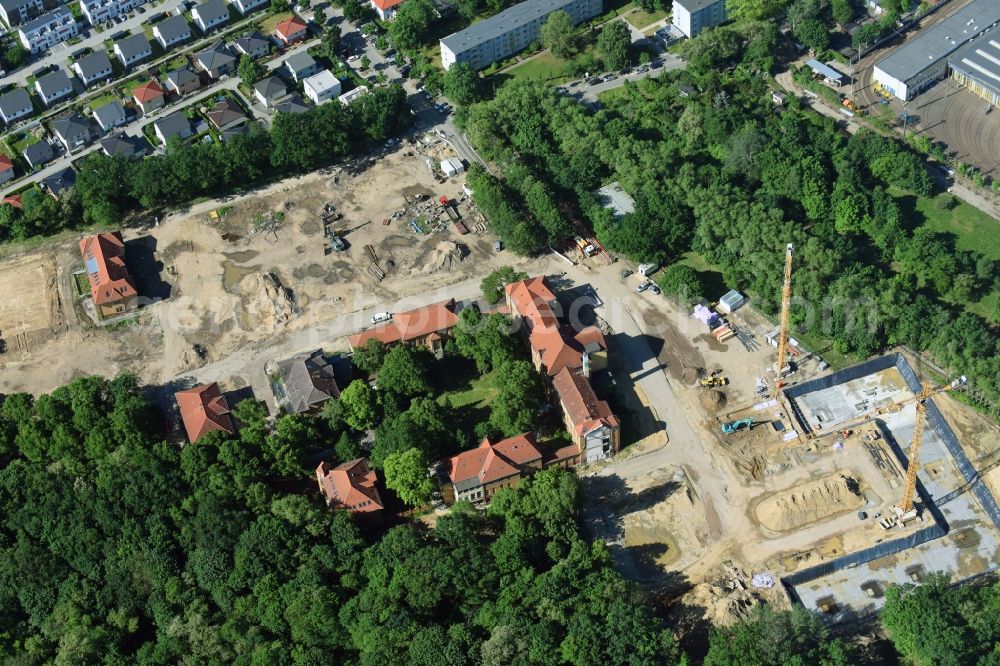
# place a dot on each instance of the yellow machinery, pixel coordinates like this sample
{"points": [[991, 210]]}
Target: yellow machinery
{"points": [[786, 297]]}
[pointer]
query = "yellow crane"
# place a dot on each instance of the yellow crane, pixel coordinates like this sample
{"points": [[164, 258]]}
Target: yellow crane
{"points": [[910, 489], [786, 297]]}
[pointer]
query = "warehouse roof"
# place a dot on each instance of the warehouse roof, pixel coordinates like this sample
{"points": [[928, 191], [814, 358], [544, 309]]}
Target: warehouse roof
{"points": [[939, 41], [980, 59], [502, 23]]}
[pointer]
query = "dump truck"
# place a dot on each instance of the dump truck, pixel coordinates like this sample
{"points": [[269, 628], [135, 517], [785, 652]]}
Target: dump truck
{"points": [[736, 426]]}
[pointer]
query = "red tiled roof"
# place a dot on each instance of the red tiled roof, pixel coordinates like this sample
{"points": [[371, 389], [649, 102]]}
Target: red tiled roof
{"points": [[104, 258], [290, 27], [387, 4], [586, 412], [530, 299], [491, 462], [147, 92], [350, 486], [410, 325], [15, 200], [204, 409], [5, 162]]}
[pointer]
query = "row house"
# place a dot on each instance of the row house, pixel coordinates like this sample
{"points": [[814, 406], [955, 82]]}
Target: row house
{"points": [[102, 11], [16, 12], [47, 30]]}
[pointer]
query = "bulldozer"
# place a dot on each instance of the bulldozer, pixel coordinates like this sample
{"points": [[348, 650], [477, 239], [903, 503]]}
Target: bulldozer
{"points": [[708, 382]]}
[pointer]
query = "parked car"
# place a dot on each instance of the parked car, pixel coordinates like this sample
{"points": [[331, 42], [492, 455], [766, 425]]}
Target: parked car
{"points": [[654, 289], [625, 273], [642, 287]]}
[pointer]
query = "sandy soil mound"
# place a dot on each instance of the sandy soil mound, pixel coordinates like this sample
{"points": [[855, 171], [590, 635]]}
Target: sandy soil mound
{"points": [[713, 399], [267, 304], [809, 502], [445, 256]]}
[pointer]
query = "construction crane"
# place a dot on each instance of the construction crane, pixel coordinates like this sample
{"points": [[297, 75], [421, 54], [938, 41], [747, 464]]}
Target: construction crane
{"points": [[909, 491], [786, 297]]}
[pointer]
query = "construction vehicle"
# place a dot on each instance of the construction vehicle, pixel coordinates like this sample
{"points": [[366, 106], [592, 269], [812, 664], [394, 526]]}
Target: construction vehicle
{"points": [[736, 426], [587, 248], [714, 381], [780, 370]]}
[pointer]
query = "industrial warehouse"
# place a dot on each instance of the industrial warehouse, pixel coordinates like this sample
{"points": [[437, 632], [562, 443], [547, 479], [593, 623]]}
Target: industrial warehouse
{"points": [[959, 44]]}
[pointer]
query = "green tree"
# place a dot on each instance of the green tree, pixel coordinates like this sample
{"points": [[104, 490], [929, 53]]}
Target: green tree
{"points": [[249, 70], [404, 371], [360, 405], [842, 10], [813, 33], [411, 26], [772, 638], [370, 357], [753, 10], [614, 42], [319, 17], [16, 56], [489, 341], [493, 284], [518, 397], [558, 34], [346, 448], [406, 474], [462, 84], [330, 42], [425, 426], [681, 282]]}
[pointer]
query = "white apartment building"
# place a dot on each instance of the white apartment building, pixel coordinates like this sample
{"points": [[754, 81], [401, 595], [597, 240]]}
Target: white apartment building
{"points": [[101, 11], [47, 30], [321, 87], [510, 31], [16, 12], [693, 16]]}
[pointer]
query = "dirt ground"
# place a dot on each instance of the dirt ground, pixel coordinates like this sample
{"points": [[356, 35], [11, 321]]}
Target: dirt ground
{"points": [[230, 282]]}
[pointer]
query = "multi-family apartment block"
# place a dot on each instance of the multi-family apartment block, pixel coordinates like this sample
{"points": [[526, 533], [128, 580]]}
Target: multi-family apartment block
{"points": [[47, 30]]}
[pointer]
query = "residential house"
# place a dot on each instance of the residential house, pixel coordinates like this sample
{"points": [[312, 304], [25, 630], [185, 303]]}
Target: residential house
{"points": [[182, 81], [101, 11], [6, 168], [269, 90], [93, 68], [226, 115], [477, 474], [308, 381], [148, 96], [176, 124], [386, 9], [595, 430], [111, 287], [693, 16], [291, 31], [171, 31], [123, 144], [14, 200], [204, 409], [427, 326], [16, 12], [54, 87], [210, 15], [294, 104], [59, 182], [348, 97], [38, 154], [133, 50], [554, 347], [15, 104], [244, 7], [227, 134], [301, 65], [350, 486], [216, 61], [47, 30], [110, 115], [74, 131], [321, 87], [253, 45]]}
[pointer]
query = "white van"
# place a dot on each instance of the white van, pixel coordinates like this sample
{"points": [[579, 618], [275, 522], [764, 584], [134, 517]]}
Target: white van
{"points": [[380, 317]]}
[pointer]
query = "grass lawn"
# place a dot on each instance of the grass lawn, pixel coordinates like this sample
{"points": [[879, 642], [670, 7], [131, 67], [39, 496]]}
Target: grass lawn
{"points": [[268, 23], [543, 67], [458, 383], [82, 284], [640, 19], [98, 102], [24, 140]]}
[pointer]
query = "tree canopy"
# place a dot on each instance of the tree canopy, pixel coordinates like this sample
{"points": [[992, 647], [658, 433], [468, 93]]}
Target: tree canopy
{"points": [[614, 42], [558, 34]]}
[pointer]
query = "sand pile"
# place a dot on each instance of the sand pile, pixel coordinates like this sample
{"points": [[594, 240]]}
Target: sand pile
{"points": [[267, 304], [445, 256], [809, 502]]}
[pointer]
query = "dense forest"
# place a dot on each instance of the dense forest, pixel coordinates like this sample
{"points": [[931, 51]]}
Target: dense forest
{"points": [[109, 189], [117, 547], [720, 172]]}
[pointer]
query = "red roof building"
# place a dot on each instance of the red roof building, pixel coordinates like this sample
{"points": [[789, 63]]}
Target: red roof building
{"points": [[204, 409], [350, 486], [595, 430], [149, 96], [6, 168], [111, 286], [15, 200], [291, 30], [428, 326], [386, 9], [477, 474]]}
